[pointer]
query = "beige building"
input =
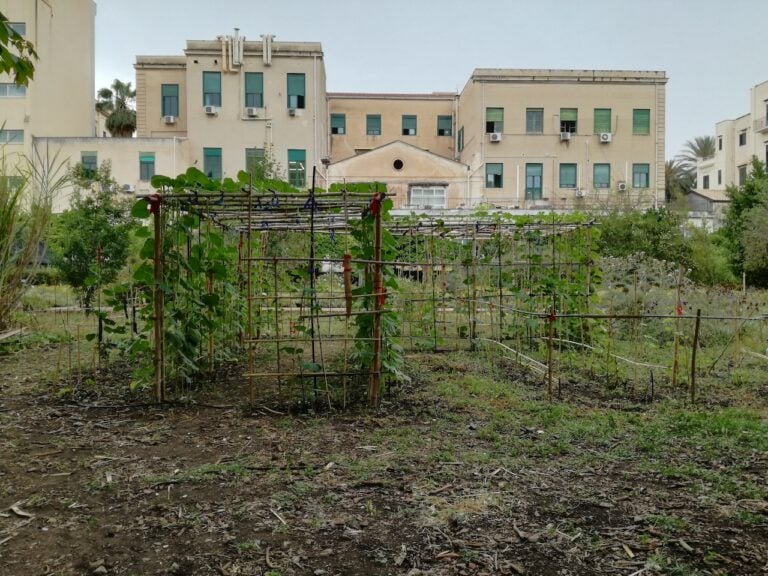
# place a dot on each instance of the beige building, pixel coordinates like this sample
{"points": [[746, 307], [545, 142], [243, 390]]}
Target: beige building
{"points": [[362, 122], [563, 139], [133, 161], [236, 100], [736, 142], [63, 33], [531, 139]]}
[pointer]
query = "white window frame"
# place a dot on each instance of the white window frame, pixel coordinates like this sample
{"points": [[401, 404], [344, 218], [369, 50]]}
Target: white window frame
{"points": [[428, 196]]}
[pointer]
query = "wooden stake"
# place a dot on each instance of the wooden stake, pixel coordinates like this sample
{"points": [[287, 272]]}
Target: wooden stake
{"points": [[693, 355]]}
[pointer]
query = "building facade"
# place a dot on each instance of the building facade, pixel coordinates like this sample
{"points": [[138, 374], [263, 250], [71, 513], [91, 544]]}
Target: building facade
{"points": [[63, 33], [737, 141], [516, 139], [236, 101]]}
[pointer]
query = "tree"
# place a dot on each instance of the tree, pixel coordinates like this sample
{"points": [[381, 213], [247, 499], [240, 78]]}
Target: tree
{"points": [[16, 54], [700, 148], [745, 222], [90, 241], [115, 104], [678, 181]]}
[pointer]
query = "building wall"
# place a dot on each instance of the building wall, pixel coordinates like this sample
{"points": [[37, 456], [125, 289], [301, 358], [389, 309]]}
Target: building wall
{"points": [[171, 156], [274, 128], [515, 91], [391, 108], [63, 32], [736, 142]]}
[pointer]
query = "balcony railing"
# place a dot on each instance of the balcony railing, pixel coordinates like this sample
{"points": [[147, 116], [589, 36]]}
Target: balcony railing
{"points": [[761, 125]]}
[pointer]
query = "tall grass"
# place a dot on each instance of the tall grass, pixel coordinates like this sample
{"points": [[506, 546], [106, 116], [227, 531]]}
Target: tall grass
{"points": [[27, 188]]}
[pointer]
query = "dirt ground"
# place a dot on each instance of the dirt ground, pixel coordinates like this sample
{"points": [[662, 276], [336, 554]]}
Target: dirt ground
{"points": [[451, 477]]}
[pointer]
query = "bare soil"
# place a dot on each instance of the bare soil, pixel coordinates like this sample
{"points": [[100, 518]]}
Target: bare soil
{"points": [[104, 483]]}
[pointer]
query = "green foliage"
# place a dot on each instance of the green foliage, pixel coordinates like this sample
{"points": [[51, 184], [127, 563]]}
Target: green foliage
{"points": [[26, 196], [204, 310], [115, 103], [17, 55], [89, 242], [745, 223], [709, 258], [656, 233], [363, 232]]}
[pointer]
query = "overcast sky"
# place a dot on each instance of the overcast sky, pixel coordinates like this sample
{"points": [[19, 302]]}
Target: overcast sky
{"points": [[713, 51]]}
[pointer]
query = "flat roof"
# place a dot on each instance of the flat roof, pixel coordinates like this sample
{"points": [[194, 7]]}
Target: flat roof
{"points": [[392, 96], [558, 75]]}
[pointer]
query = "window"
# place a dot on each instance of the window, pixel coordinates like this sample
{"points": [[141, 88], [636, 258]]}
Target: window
{"points": [[567, 175], [494, 120], [170, 99], [12, 91], [719, 142], [742, 174], [212, 163], [254, 90], [444, 126], [11, 137], [569, 120], [705, 182], [90, 163], [602, 120], [409, 125], [601, 176], [211, 88], [297, 171], [19, 27], [146, 166], [373, 124], [460, 138], [428, 197], [296, 88], [533, 173], [640, 173], [641, 121], [338, 124], [534, 120], [254, 162], [743, 138], [719, 177], [494, 175]]}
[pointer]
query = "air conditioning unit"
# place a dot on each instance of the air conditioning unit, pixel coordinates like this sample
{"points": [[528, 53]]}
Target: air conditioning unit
{"points": [[129, 188], [565, 136], [211, 110], [494, 136], [621, 186], [252, 112], [291, 111], [606, 137], [169, 119], [580, 193]]}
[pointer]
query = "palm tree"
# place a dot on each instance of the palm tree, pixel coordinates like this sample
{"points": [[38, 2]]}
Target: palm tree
{"points": [[700, 148], [678, 181], [115, 104]]}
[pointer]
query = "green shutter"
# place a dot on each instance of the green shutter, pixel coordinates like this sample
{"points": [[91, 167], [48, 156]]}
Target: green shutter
{"points": [[460, 142], [296, 85], [211, 82], [494, 114], [569, 114], [254, 82], [567, 175], [444, 125], [409, 125], [373, 124], [602, 120], [601, 176], [146, 156], [297, 168], [641, 121]]}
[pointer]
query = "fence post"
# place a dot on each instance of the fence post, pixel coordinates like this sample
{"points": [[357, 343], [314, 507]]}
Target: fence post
{"points": [[159, 301], [693, 355]]}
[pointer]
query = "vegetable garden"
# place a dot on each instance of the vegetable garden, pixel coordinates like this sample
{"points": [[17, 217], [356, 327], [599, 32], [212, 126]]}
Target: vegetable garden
{"points": [[317, 297]]}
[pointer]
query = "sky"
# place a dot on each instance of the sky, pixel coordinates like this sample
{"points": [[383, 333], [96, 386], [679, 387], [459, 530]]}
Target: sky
{"points": [[713, 51]]}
